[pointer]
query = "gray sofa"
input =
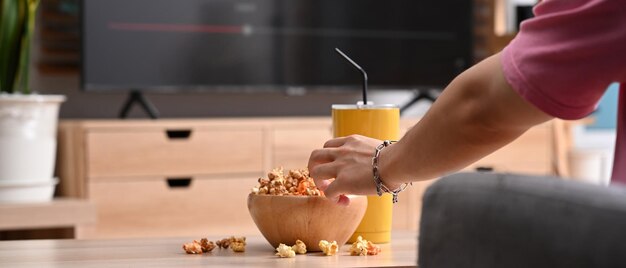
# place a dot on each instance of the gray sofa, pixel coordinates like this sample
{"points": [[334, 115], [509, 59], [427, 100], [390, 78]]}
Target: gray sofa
{"points": [[507, 220]]}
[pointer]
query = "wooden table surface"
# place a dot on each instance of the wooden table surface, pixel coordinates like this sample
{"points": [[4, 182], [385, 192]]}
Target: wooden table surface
{"points": [[167, 252]]}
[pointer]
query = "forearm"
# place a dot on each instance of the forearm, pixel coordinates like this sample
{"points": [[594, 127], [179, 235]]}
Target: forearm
{"points": [[475, 115]]}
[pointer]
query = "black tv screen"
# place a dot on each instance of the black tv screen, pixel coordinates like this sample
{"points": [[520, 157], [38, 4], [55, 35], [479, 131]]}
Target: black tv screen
{"points": [[273, 44]]}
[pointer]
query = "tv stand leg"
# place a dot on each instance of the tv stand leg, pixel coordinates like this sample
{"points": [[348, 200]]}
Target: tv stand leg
{"points": [[418, 96], [137, 96]]}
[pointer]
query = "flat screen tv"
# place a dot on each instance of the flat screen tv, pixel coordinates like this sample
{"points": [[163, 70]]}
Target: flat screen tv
{"points": [[173, 45]]}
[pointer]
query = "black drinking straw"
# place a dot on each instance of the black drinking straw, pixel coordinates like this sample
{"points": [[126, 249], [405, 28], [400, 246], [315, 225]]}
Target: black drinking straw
{"points": [[361, 70]]}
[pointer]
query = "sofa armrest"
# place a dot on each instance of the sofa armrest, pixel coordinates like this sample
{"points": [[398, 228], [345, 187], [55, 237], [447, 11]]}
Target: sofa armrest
{"points": [[508, 220]]}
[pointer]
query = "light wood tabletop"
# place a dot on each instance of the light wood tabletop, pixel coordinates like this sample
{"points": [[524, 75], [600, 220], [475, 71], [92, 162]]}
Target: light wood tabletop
{"points": [[167, 252]]}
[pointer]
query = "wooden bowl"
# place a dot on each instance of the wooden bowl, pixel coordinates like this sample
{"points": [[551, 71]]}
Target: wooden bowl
{"points": [[284, 219]]}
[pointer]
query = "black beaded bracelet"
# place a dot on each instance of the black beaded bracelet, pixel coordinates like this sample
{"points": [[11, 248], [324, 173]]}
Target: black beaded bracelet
{"points": [[380, 186]]}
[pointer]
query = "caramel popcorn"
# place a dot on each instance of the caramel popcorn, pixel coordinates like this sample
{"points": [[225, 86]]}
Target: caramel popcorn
{"points": [[372, 249], [285, 251], [193, 247], [237, 244], [295, 182], [329, 249], [224, 243], [207, 246], [299, 247]]}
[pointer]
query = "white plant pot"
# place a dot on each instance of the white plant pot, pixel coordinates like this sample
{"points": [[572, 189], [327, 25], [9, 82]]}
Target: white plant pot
{"points": [[28, 128], [25, 191]]}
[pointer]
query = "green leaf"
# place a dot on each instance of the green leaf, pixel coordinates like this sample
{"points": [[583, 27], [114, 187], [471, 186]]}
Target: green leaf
{"points": [[11, 27], [21, 82]]}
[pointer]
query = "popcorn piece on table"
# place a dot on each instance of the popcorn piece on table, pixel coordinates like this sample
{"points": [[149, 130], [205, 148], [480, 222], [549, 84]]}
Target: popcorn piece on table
{"points": [[207, 246], [238, 244], [285, 251], [238, 247], [329, 249], [362, 247], [193, 247], [224, 243], [299, 247], [372, 249], [359, 247]]}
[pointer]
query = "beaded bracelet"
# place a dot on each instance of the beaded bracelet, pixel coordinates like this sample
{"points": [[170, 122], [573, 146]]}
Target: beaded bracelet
{"points": [[380, 186]]}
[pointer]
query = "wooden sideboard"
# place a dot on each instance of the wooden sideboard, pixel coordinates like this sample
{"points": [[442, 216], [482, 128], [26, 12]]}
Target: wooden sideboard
{"points": [[57, 218], [188, 177]]}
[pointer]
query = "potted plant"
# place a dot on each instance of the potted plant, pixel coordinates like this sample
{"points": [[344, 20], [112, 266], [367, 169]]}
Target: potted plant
{"points": [[27, 121]]}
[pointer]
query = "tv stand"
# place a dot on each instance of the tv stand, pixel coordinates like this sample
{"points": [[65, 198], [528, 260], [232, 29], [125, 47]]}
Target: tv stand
{"points": [[137, 96], [104, 162], [420, 95]]}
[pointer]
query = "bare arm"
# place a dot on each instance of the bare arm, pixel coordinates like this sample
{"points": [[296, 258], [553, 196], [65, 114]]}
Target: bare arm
{"points": [[475, 115]]}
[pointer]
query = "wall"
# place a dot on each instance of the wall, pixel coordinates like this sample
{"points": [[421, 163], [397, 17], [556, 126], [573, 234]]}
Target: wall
{"points": [[605, 117], [592, 155]]}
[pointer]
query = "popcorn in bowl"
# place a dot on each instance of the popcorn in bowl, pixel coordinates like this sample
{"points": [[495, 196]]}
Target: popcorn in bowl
{"points": [[286, 206], [294, 182]]}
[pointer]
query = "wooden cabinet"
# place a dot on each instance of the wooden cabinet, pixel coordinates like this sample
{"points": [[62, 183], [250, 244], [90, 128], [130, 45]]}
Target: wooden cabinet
{"points": [[57, 218], [152, 178], [531, 153]]}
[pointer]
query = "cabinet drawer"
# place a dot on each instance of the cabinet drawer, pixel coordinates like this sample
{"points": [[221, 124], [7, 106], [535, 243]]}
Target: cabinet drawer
{"points": [[173, 152], [153, 208]]}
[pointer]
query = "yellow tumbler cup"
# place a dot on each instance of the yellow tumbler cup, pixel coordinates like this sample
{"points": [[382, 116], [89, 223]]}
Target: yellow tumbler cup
{"points": [[380, 122]]}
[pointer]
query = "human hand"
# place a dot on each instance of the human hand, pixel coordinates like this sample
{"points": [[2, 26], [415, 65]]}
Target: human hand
{"points": [[344, 166]]}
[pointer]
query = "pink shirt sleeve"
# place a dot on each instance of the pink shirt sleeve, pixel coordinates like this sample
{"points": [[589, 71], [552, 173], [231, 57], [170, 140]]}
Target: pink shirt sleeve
{"points": [[564, 58]]}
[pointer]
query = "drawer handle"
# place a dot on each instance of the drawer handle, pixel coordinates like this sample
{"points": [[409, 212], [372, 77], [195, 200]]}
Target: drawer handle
{"points": [[484, 169], [178, 133], [178, 182]]}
